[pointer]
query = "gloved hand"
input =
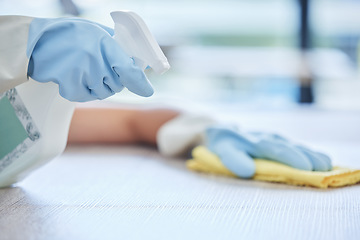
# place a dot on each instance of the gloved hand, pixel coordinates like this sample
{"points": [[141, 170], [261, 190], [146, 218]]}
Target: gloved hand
{"points": [[83, 59], [236, 150]]}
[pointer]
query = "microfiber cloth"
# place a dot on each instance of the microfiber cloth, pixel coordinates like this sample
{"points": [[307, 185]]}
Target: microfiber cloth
{"points": [[270, 171]]}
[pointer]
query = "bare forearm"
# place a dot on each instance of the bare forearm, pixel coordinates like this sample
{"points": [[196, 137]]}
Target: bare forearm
{"points": [[114, 125]]}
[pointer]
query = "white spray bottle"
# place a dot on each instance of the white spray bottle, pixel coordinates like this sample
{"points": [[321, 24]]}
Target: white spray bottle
{"points": [[35, 119]]}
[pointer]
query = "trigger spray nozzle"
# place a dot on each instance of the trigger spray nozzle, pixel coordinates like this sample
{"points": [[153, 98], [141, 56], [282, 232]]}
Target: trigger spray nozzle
{"points": [[136, 40]]}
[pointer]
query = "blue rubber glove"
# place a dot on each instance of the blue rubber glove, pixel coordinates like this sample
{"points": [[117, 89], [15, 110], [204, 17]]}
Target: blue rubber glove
{"points": [[237, 150], [83, 59]]}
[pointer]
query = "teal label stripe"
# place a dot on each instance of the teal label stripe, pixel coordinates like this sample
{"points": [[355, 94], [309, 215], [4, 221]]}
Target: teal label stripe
{"points": [[18, 131], [12, 131]]}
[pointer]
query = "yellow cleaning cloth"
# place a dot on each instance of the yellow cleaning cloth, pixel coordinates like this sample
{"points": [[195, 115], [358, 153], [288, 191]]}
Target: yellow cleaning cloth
{"points": [[205, 161]]}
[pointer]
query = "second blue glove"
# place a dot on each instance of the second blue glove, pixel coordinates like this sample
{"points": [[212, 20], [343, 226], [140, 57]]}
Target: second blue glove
{"points": [[237, 150]]}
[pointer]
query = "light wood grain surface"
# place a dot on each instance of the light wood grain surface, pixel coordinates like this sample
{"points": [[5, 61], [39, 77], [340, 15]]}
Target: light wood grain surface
{"points": [[128, 192]]}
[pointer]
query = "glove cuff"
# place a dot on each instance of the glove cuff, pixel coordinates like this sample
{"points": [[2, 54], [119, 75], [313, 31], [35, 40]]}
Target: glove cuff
{"points": [[178, 136]]}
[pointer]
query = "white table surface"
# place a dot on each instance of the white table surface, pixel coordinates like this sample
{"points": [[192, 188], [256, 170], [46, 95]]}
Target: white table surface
{"points": [[132, 192]]}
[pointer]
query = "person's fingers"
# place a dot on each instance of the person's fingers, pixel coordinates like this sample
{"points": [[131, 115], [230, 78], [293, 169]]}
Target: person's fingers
{"points": [[100, 80], [134, 79], [320, 161], [75, 94], [233, 158], [105, 83], [262, 145], [257, 136], [282, 152], [325, 158], [129, 75], [101, 91]]}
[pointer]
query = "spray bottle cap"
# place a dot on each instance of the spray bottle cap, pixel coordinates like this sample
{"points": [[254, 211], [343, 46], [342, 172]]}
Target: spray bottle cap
{"points": [[137, 41]]}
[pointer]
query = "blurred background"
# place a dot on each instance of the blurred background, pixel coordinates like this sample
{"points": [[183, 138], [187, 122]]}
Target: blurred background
{"points": [[244, 53]]}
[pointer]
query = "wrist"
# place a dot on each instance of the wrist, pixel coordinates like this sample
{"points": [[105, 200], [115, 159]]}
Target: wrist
{"points": [[178, 136], [146, 123]]}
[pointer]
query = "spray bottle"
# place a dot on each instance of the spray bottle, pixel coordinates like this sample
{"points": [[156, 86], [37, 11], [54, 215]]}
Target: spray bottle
{"points": [[35, 119]]}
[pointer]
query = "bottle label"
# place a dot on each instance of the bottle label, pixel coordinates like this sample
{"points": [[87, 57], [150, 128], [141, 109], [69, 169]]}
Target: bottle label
{"points": [[18, 132]]}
